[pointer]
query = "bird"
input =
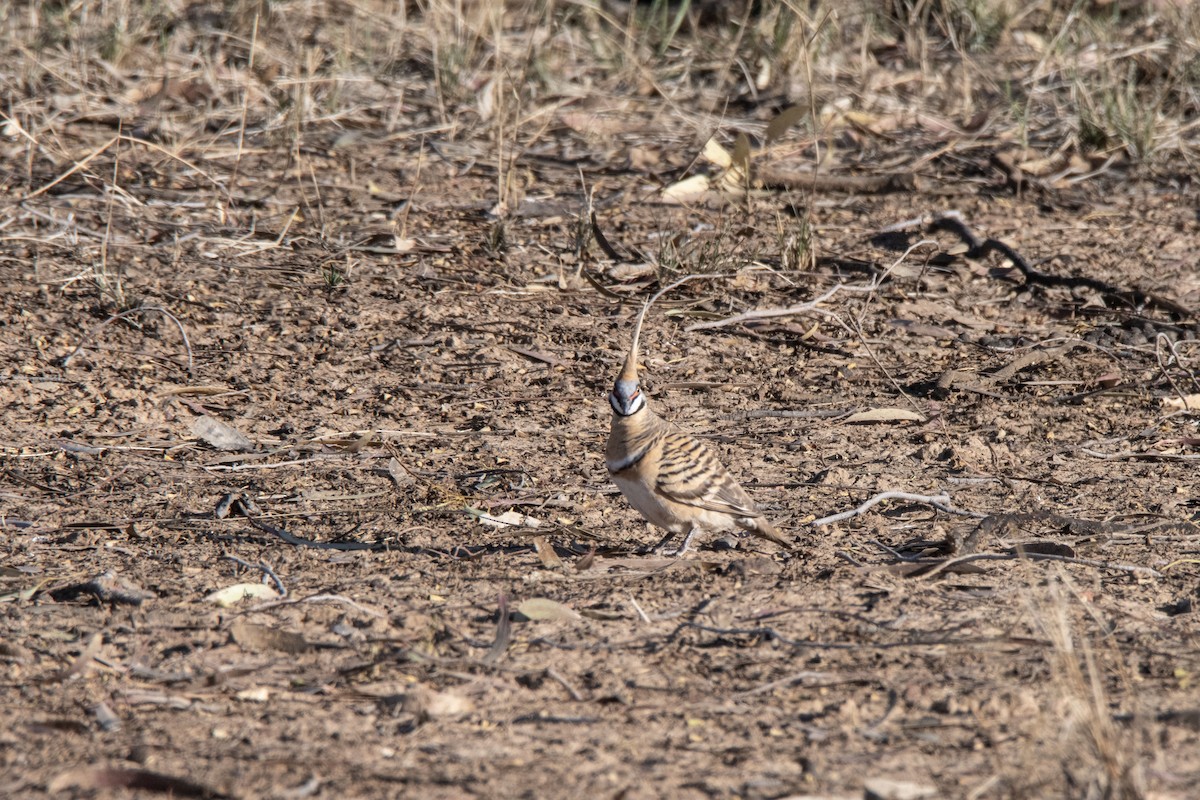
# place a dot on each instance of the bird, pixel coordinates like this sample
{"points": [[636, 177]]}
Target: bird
{"points": [[670, 477]]}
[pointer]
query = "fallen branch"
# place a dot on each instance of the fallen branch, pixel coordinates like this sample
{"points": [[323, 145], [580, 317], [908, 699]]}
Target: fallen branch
{"points": [[952, 221], [555, 675], [766, 313]]}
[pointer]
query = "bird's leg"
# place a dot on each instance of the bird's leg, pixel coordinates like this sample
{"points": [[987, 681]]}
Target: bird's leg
{"points": [[660, 548], [687, 541]]}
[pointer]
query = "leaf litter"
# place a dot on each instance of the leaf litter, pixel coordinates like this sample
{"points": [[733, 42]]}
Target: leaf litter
{"points": [[987, 576]]}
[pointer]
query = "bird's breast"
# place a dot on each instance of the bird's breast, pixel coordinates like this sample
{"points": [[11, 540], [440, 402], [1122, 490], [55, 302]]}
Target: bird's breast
{"points": [[641, 495]]}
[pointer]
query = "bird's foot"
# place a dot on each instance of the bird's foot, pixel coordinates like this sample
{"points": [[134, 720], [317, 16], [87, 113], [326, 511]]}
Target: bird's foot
{"points": [[683, 548]]}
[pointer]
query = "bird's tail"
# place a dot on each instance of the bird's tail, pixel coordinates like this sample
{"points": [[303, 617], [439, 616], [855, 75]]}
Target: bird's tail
{"points": [[765, 530]]}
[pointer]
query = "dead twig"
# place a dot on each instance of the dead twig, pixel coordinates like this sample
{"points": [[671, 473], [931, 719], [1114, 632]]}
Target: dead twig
{"points": [[811, 305], [299, 541], [263, 567], [175, 157], [941, 565], [965, 381], [1161, 339], [769, 313], [1138, 455], [66, 362], [805, 677], [75, 168], [941, 638], [638, 608], [849, 559], [740, 416], [554, 674], [940, 501]]}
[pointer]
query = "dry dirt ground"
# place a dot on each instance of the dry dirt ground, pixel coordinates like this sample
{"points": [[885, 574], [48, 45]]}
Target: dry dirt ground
{"points": [[398, 389]]}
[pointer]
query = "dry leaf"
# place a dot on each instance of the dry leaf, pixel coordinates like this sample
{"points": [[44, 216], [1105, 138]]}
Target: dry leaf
{"points": [[885, 415], [503, 632], [543, 608], [783, 121], [11, 128], [91, 778], [232, 595], [644, 159], [765, 71], [486, 100], [688, 189], [506, 520], [140, 697], [741, 152], [83, 662], [717, 154], [257, 694], [888, 789], [598, 125], [546, 554], [1035, 42], [220, 435], [733, 181], [586, 561], [1043, 548], [630, 272], [1188, 402], [260, 637], [872, 122], [426, 702]]}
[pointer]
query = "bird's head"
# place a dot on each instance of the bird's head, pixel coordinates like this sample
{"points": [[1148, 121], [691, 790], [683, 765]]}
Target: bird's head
{"points": [[626, 397]]}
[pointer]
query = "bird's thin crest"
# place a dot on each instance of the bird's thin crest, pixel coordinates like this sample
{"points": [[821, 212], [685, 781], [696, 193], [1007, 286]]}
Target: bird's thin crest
{"points": [[629, 371]]}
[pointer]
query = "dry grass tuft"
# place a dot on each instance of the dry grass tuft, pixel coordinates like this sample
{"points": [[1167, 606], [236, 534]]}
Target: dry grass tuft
{"points": [[1098, 759]]}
